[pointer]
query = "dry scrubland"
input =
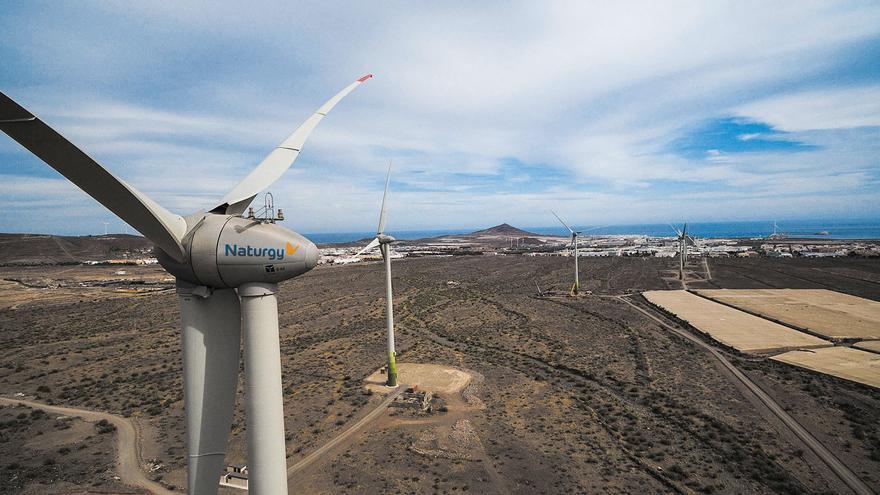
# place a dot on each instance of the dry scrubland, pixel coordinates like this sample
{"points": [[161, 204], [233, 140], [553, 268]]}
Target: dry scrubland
{"points": [[68, 453], [579, 395]]}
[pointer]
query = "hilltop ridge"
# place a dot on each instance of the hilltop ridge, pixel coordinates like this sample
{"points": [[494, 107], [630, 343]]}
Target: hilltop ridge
{"points": [[38, 249], [505, 230]]}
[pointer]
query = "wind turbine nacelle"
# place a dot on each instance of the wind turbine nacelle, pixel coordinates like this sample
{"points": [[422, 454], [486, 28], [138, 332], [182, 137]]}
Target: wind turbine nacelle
{"points": [[385, 239], [228, 251]]}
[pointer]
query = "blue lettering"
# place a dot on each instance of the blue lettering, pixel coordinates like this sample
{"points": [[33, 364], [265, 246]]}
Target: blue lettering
{"points": [[271, 253]]}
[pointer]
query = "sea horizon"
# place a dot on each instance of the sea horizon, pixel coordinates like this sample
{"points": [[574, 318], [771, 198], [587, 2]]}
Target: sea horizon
{"points": [[801, 229]]}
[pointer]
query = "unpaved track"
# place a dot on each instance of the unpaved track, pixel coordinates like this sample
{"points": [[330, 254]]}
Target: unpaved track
{"points": [[320, 451], [128, 461], [844, 473]]}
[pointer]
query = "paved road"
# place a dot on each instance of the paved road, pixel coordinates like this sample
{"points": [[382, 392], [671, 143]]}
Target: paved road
{"points": [[844, 473], [317, 453], [128, 461]]}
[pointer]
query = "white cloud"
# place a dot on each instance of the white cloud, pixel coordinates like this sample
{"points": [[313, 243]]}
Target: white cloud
{"points": [[183, 101], [829, 108]]}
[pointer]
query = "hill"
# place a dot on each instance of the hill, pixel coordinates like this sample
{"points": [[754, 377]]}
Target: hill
{"points": [[41, 249], [503, 230]]}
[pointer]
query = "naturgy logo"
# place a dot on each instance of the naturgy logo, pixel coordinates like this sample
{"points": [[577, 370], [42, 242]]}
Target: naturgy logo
{"points": [[271, 253]]}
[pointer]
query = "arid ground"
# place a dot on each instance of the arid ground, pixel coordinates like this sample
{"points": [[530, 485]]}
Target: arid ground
{"points": [[568, 394]]}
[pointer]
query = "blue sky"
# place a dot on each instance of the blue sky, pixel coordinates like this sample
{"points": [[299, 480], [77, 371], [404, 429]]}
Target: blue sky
{"points": [[492, 112]]}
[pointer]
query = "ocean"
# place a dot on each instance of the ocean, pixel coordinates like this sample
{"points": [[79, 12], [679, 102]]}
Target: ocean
{"points": [[844, 229]]}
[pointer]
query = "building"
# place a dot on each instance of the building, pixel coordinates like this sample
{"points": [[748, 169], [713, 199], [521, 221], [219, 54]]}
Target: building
{"points": [[235, 477]]}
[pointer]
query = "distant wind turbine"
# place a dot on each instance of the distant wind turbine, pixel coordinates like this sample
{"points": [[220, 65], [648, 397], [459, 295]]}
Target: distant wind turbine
{"points": [[384, 243], [574, 235], [682, 246]]}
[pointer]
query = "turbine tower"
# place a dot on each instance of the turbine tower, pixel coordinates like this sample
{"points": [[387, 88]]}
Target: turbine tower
{"points": [[105, 226], [384, 243], [574, 235], [227, 269], [682, 237]]}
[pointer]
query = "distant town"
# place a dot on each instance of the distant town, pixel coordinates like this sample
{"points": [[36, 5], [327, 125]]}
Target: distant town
{"points": [[501, 240]]}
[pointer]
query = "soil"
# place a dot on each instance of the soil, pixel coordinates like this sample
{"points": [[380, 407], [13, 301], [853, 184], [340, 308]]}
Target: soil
{"points": [[43, 453], [574, 394], [732, 327], [819, 311]]}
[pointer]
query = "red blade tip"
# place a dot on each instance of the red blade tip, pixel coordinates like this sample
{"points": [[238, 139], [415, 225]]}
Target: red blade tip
{"points": [[365, 78]]}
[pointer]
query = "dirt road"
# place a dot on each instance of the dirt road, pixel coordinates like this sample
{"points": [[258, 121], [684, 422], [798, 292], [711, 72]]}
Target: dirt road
{"points": [[128, 461], [317, 453], [841, 470]]}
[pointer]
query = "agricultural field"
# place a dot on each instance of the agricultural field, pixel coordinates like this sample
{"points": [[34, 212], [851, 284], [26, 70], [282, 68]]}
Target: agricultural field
{"points": [[847, 363], [737, 329], [819, 311], [869, 345]]}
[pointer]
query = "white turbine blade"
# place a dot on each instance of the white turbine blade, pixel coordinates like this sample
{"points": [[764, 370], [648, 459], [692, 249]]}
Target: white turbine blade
{"points": [[279, 160], [560, 221], [159, 225], [211, 331], [371, 245], [677, 232], [381, 228]]}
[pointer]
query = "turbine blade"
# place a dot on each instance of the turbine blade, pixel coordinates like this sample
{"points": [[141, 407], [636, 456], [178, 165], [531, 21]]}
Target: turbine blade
{"points": [[371, 245], [211, 331], [560, 221], [381, 228], [685, 229], [159, 225], [677, 232], [279, 160]]}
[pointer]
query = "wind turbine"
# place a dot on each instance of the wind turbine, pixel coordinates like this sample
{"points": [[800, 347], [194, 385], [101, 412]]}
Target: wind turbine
{"points": [[106, 223], [574, 235], [227, 269], [682, 237], [384, 243]]}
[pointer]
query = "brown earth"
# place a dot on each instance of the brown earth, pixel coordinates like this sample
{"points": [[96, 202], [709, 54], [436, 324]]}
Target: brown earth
{"points": [[43, 453], [869, 345], [581, 395], [49, 284], [737, 329], [851, 364], [827, 313], [40, 249]]}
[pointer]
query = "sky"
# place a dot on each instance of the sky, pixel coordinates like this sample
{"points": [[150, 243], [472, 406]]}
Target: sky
{"points": [[492, 112]]}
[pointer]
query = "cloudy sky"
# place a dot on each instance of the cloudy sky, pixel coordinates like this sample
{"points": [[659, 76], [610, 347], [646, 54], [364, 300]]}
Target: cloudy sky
{"points": [[492, 112]]}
